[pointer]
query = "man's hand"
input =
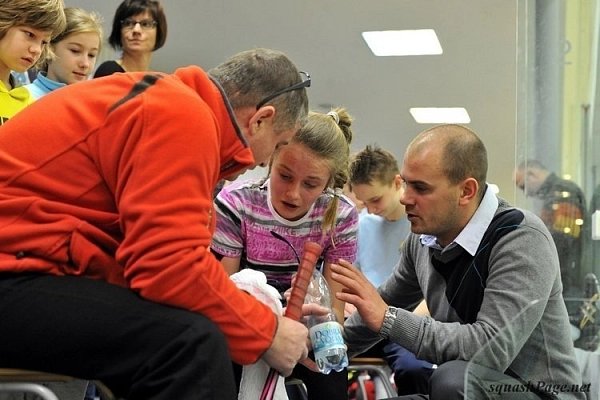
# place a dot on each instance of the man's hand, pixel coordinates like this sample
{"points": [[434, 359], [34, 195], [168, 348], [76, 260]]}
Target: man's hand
{"points": [[308, 308], [289, 346], [314, 309], [360, 293]]}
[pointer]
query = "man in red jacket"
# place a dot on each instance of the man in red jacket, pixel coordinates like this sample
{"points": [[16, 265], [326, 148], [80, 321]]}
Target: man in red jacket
{"points": [[106, 219]]}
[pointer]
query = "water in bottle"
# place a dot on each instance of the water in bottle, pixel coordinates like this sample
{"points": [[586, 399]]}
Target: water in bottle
{"points": [[325, 332]]}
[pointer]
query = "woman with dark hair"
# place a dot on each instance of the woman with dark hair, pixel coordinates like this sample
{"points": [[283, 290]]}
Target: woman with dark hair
{"points": [[139, 28]]}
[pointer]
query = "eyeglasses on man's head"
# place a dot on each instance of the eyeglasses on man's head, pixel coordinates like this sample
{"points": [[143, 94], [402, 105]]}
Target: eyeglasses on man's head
{"points": [[145, 24], [300, 85]]}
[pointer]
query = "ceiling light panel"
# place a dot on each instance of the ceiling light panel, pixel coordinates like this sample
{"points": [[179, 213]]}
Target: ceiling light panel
{"points": [[440, 115], [403, 43]]}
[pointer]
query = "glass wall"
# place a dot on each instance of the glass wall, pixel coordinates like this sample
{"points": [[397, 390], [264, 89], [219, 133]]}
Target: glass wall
{"points": [[558, 132]]}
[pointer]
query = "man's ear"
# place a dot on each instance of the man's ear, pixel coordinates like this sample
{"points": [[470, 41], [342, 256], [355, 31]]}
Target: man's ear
{"points": [[262, 117], [469, 190]]}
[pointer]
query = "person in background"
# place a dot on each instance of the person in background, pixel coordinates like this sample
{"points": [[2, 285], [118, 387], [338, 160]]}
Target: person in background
{"points": [[360, 207], [139, 28], [75, 51], [376, 182], [478, 263], [301, 200], [563, 210], [106, 219], [26, 28]]}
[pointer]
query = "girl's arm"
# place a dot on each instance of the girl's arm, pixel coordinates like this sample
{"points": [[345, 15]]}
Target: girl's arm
{"points": [[231, 264], [334, 287]]}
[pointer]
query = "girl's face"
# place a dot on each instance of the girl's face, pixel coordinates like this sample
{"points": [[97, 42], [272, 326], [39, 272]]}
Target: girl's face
{"points": [[140, 37], [21, 48], [75, 57], [298, 177]]}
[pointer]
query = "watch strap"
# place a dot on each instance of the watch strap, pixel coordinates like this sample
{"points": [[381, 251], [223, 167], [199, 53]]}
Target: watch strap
{"points": [[388, 322]]}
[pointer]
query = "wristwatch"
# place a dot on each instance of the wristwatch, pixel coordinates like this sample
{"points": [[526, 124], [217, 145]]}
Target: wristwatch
{"points": [[388, 321]]}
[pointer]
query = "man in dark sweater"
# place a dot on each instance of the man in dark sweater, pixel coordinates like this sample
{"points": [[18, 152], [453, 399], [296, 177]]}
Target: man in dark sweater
{"points": [[563, 210], [490, 276]]}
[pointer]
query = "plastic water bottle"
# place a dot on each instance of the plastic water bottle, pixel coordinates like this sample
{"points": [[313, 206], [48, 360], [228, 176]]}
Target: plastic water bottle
{"points": [[325, 332]]}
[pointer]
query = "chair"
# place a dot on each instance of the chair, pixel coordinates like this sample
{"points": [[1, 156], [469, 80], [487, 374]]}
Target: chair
{"points": [[26, 381], [379, 373], [28, 387], [295, 389]]}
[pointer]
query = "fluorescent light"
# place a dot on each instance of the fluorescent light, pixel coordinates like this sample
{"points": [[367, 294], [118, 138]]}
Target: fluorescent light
{"points": [[403, 43], [440, 115]]}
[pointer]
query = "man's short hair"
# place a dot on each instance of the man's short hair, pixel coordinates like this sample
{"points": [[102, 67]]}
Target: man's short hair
{"points": [[250, 76]]}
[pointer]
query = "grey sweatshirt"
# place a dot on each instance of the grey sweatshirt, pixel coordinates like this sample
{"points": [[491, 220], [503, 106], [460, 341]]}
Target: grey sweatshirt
{"points": [[502, 308]]}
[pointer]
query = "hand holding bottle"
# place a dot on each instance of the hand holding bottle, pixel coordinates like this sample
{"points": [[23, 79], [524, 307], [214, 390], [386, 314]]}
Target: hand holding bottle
{"points": [[288, 347]]}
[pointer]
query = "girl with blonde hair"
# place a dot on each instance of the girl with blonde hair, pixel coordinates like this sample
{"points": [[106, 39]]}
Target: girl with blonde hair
{"points": [[301, 200], [75, 51]]}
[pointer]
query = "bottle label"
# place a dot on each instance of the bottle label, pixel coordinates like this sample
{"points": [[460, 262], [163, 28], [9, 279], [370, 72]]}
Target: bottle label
{"points": [[325, 336]]}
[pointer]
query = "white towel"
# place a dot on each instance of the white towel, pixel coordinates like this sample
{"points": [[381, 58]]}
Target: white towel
{"points": [[255, 375]]}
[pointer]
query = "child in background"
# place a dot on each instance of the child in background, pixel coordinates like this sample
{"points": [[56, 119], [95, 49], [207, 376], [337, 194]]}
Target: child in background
{"points": [[75, 52], [26, 28], [375, 181], [300, 200]]}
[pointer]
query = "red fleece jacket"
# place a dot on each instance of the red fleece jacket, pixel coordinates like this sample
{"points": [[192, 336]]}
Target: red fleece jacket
{"points": [[113, 179]]}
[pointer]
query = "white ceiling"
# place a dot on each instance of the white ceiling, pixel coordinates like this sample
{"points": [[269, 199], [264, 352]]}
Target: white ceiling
{"points": [[477, 70]]}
